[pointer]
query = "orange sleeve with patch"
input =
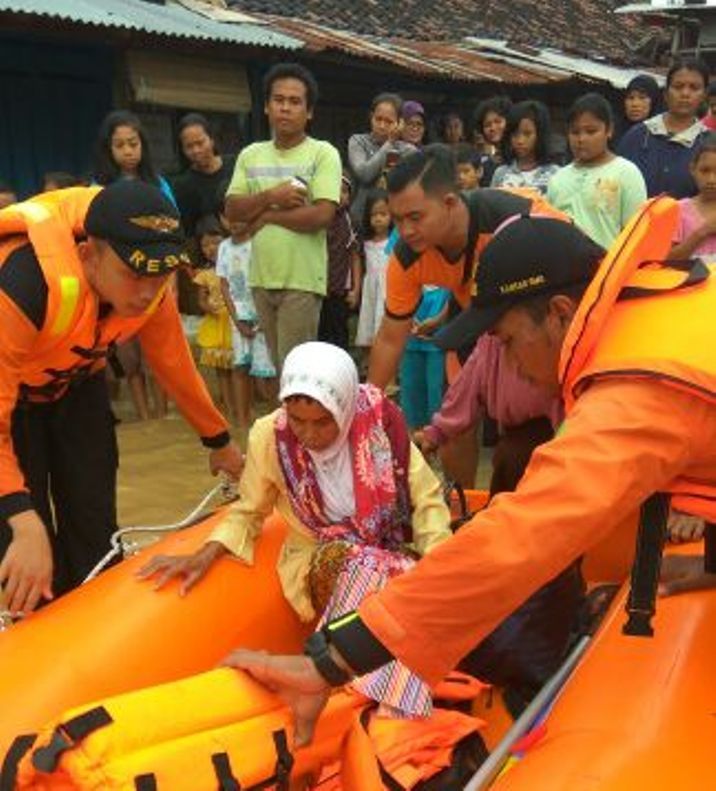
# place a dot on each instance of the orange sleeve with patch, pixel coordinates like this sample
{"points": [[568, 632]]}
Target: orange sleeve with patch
{"points": [[169, 356], [619, 445], [17, 338], [404, 285], [403, 290]]}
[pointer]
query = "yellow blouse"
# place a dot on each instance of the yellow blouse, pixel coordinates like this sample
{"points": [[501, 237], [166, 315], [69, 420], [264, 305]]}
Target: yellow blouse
{"points": [[262, 488]]}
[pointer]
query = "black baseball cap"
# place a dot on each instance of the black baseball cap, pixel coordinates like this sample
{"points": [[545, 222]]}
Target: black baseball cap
{"points": [[526, 257], [140, 225]]}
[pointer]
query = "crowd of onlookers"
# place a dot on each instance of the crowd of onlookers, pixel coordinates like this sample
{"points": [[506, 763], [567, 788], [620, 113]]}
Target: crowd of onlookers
{"points": [[290, 243]]}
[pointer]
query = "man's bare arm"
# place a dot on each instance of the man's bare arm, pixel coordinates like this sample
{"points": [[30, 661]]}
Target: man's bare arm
{"points": [[387, 349], [248, 208], [304, 219]]}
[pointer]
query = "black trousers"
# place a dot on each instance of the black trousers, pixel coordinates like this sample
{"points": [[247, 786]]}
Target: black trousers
{"points": [[333, 324], [527, 647], [67, 450]]}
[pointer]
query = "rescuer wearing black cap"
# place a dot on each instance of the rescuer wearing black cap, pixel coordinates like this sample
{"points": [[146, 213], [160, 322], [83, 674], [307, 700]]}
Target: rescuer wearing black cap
{"points": [[529, 259], [624, 341], [82, 270]]}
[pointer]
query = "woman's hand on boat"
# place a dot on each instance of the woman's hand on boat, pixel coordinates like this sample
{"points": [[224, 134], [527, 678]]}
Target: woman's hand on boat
{"points": [[228, 459], [190, 568], [294, 679], [26, 568], [682, 573]]}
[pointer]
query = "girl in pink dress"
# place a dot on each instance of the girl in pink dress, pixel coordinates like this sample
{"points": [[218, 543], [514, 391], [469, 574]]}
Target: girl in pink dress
{"points": [[696, 231]]}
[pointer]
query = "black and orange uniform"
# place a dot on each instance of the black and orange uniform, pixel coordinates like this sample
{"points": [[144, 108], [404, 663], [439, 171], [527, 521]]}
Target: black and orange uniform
{"points": [[409, 271], [58, 452]]}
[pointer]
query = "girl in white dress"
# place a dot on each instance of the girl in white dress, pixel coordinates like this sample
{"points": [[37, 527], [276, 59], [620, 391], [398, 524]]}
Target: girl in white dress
{"points": [[376, 229], [252, 359]]}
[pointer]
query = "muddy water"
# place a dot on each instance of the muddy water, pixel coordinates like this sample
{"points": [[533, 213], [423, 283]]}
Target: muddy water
{"points": [[163, 471]]}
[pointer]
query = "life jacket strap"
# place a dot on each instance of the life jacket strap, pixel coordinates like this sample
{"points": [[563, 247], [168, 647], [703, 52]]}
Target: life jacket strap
{"points": [[641, 604], [284, 763], [695, 270], [710, 548], [15, 753], [67, 735], [222, 767], [147, 782]]}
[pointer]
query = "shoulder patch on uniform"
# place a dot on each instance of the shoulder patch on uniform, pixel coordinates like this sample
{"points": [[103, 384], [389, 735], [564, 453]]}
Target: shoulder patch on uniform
{"points": [[404, 254], [22, 280]]}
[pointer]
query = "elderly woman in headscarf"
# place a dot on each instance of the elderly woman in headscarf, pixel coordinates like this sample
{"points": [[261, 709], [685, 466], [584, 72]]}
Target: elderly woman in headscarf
{"points": [[360, 501]]}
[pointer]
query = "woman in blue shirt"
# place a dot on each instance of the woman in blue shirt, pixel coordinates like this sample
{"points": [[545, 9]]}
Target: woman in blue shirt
{"points": [[661, 147]]}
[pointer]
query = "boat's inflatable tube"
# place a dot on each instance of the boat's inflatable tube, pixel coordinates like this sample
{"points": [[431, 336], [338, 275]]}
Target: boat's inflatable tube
{"points": [[117, 634], [638, 712], [215, 730], [223, 730]]}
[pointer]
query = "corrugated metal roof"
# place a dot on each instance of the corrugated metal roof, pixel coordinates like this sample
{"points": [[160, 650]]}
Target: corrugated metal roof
{"points": [[560, 62], [172, 20], [667, 6], [432, 59]]}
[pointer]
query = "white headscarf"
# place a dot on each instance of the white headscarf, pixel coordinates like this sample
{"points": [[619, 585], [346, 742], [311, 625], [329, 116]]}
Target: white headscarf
{"points": [[327, 374]]}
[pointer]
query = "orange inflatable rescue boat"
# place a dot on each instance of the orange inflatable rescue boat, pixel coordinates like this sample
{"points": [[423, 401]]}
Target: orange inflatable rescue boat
{"points": [[115, 634], [108, 688], [637, 713]]}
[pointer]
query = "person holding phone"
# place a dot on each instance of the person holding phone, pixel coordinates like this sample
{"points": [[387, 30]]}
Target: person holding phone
{"points": [[372, 155]]}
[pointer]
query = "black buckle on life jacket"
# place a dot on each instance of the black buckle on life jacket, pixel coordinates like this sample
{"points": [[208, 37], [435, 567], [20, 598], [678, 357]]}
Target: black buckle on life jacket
{"points": [[67, 735], [641, 604], [15, 754]]}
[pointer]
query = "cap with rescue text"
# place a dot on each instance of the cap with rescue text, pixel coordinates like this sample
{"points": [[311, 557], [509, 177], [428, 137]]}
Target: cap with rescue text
{"points": [[140, 225], [528, 256]]}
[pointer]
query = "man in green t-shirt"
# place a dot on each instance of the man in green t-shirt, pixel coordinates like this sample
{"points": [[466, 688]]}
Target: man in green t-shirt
{"points": [[287, 189]]}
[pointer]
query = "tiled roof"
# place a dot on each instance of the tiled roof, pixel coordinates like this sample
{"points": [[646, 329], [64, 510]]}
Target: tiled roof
{"points": [[172, 19], [587, 27], [436, 59]]}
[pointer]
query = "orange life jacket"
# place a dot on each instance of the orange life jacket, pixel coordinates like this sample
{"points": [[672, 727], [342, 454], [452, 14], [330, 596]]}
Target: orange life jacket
{"points": [[644, 318], [222, 729], [73, 341]]}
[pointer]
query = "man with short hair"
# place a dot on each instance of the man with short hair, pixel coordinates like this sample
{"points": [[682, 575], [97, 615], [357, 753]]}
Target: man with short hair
{"points": [[624, 344], [287, 189], [442, 235], [81, 270]]}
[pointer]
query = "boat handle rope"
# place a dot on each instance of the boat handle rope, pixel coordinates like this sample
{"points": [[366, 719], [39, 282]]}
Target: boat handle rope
{"points": [[224, 489]]}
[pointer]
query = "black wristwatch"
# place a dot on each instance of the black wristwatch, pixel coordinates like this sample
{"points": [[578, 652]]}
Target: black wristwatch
{"points": [[316, 647]]}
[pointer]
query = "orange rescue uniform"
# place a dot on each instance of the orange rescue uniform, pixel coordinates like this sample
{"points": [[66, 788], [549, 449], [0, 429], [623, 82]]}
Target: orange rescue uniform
{"points": [[42, 357], [639, 379], [409, 271]]}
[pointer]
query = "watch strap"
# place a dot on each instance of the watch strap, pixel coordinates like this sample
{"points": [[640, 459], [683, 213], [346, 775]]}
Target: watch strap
{"points": [[316, 647]]}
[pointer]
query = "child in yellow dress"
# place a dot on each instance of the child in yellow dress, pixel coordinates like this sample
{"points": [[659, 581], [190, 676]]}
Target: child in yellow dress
{"points": [[214, 333]]}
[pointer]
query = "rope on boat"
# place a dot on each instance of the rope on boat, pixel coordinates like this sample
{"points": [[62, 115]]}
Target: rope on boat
{"points": [[225, 488]]}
